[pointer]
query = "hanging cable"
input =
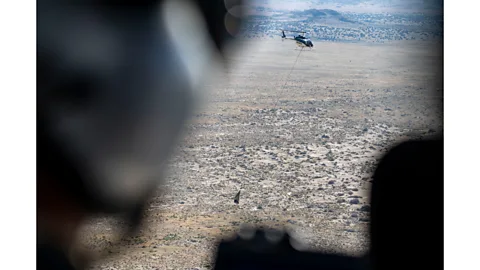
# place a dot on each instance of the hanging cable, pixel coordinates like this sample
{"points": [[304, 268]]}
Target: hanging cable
{"points": [[288, 76]]}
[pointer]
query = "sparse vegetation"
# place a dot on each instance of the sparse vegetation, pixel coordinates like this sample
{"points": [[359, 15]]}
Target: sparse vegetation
{"points": [[306, 162], [170, 237]]}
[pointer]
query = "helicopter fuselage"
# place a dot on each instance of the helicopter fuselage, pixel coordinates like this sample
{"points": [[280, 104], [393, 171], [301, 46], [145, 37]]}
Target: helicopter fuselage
{"points": [[302, 41]]}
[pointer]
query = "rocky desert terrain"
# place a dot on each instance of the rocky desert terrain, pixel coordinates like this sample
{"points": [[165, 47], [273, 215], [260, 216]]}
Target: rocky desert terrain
{"points": [[299, 144]]}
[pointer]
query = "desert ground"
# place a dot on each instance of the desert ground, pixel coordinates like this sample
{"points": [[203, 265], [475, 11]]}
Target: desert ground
{"points": [[300, 144]]}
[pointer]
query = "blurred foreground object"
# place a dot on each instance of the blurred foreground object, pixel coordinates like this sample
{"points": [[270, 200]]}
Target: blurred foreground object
{"points": [[407, 207], [262, 252], [115, 85]]}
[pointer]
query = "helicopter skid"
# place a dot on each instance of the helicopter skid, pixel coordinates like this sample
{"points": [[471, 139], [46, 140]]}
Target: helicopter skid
{"points": [[301, 45]]}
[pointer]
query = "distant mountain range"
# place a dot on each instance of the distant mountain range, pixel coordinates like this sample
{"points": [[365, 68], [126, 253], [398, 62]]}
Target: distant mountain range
{"points": [[353, 5], [336, 25], [318, 12], [321, 14]]}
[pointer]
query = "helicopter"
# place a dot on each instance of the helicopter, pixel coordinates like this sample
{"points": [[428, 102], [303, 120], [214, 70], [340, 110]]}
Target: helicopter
{"points": [[301, 40]]}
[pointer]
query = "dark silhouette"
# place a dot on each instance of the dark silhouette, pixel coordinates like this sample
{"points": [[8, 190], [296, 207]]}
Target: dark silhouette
{"points": [[407, 207]]}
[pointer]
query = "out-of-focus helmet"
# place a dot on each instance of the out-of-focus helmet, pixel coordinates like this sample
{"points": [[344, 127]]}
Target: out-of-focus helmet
{"points": [[116, 81]]}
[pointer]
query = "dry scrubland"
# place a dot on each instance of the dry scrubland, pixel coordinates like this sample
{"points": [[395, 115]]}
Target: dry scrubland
{"points": [[302, 155]]}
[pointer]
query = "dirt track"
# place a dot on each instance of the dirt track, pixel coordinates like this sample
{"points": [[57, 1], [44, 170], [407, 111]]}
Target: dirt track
{"points": [[301, 154]]}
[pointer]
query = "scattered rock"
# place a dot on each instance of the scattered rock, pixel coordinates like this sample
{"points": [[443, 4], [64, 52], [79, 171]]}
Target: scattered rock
{"points": [[266, 170], [354, 201]]}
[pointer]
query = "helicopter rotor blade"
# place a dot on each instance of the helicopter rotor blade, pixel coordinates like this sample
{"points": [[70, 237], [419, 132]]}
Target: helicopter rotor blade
{"points": [[293, 31]]}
